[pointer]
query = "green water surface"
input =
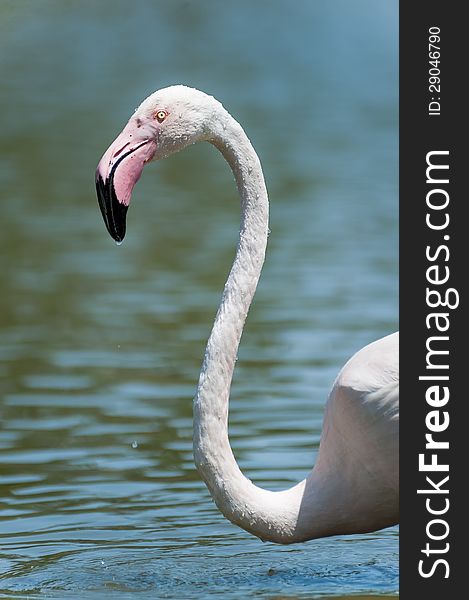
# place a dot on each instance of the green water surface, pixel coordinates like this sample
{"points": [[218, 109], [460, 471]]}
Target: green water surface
{"points": [[100, 346]]}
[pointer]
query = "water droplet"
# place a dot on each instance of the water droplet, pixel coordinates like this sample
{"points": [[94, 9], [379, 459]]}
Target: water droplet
{"points": [[269, 231], [119, 242], [249, 169], [102, 562], [257, 196], [134, 444]]}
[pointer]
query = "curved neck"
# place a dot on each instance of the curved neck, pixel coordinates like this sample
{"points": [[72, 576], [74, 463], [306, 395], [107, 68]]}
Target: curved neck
{"points": [[274, 516], [233, 493]]}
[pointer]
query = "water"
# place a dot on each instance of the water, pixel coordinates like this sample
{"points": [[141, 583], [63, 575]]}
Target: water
{"points": [[100, 347]]}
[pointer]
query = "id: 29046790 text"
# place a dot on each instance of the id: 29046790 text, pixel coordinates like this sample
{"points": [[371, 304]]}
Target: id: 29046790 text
{"points": [[434, 80]]}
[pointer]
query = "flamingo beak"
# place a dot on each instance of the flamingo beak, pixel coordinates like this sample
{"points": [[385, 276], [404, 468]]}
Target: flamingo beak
{"points": [[119, 170]]}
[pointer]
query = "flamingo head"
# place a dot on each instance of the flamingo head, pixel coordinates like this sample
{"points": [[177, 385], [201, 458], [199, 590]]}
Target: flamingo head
{"points": [[166, 122]]}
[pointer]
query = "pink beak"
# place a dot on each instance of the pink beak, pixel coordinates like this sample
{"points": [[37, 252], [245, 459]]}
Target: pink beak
{"points": [[119, 170]]}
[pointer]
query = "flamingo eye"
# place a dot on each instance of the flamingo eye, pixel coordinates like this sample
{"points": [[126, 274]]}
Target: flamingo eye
{"points": [[161, 115]]}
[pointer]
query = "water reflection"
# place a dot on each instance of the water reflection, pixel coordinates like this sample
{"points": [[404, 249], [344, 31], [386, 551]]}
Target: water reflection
{"points": [[100, 346]]}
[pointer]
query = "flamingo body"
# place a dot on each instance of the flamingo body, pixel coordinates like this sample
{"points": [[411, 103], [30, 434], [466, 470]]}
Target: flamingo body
{"points": [[353, 486]]}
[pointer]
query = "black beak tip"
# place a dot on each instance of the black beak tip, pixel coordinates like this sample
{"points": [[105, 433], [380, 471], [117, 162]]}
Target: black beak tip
{"points": [[113, 212]]}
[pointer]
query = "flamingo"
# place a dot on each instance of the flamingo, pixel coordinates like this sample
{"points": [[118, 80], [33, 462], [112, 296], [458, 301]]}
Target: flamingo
{"points": [[354, 485]]}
